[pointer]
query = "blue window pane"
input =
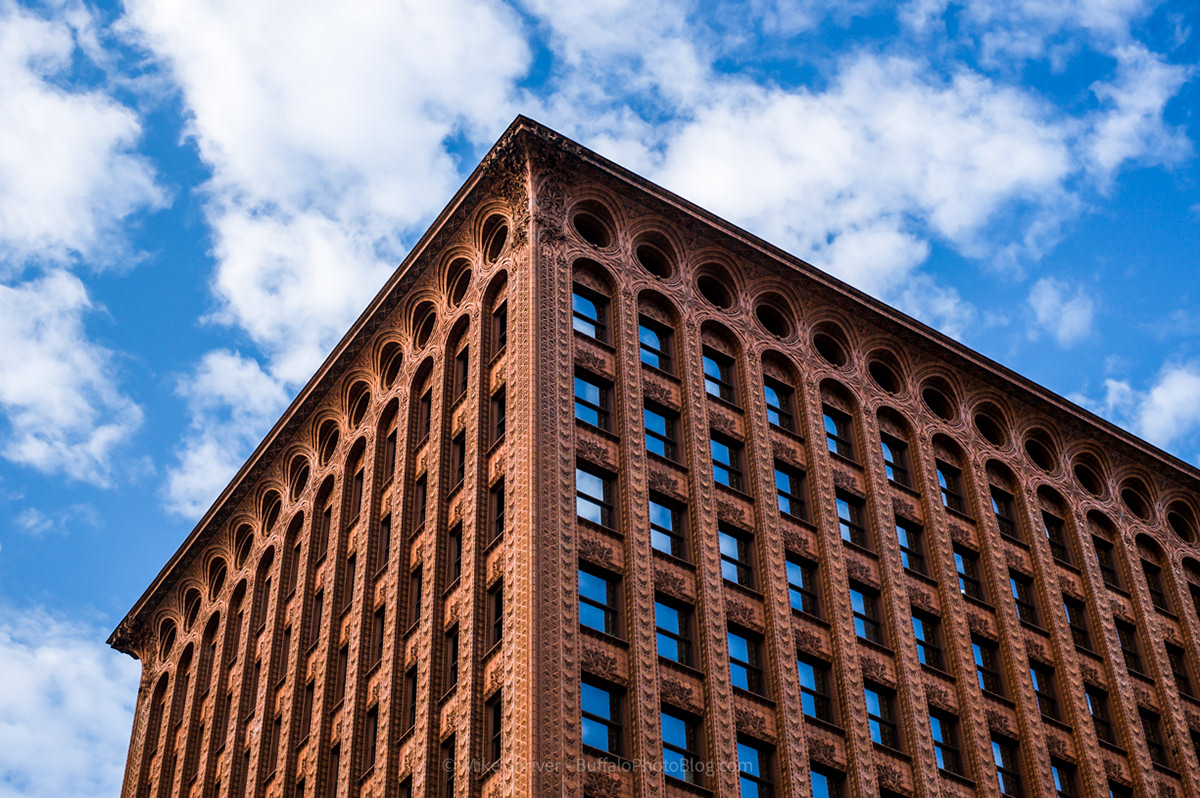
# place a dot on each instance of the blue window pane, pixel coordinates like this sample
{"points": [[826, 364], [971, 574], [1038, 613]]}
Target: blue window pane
{"points": [[808, 680], [593, 587], [666, 618], [822, 787], [748, 761], [674, 730]]}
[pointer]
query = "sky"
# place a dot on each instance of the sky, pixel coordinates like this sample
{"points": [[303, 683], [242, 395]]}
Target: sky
{"points": [[198, 198]]}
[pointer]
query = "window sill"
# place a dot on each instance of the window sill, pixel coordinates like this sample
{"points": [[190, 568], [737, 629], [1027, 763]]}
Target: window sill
{"points": [[757, 698], [938, 672], [493, 543], [594, 430], [1164, 611], [903, 488], [1120, 591], [828, 726], [303, 742], [449, 693], [735, 492], [920, 577], [1141, 677], [368, 773], [1033, 627], [604, 637], [333, 710], [960, 514], [802, 520], [497, 443], [957, 778], [1088, 653], [893, 752], [491, 650], [1014, 541], [808, 616], [667, 461], [1167, 769], [671, 558], [450, 588], [880, 647], [454, 489], [999, 699], [412, 627], [499, 353], [1058, 724], [748, 591], [666, 375], [686, 786], [977, 602], [1116, 749], [604, 530], [728, 405], [863, 550], [375, 666], [681, 667], [592, 340], [1065, 564], [787, 433], [850, 461]]}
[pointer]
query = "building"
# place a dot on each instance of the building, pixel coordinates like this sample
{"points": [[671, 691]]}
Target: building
{"points": [[602, 496]]}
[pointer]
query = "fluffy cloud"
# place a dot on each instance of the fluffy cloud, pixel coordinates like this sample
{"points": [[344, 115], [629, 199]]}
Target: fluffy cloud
{"points": [[233, 403], [65, 411], [66, 710], [1065, 314], [1167, 413], [68, 172]]}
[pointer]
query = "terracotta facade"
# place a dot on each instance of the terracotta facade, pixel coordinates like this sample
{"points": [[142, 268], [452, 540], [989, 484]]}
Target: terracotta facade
{"points": [[461, 545]]}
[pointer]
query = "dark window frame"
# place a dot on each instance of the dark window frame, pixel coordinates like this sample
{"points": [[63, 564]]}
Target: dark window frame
{"points": [[599, 323], [601, 409], [664, 353], [895, 459], [782, 414], [839, 432]]}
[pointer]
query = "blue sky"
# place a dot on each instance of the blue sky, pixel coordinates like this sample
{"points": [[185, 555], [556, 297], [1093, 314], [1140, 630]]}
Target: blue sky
{"points": [[197, 199]]}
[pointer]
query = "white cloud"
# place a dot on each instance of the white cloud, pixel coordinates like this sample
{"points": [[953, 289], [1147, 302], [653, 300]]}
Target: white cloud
{"points": [[1132, 127], [1166, 414], [1065, 314], [68, 173], [57, 387], [233, 403], [35, 523], [66, 709]]}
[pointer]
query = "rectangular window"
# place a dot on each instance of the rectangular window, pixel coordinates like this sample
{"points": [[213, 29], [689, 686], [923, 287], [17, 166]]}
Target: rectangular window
{"points": [[1178, 660], [1002, 508], [1107, 562], [495, 609], [590, 313], [499, 414], [673, 626], [661, 431], [454, 540], [736, 556], [306, 709], [745, 661], [839, 433], [851, 521], [323, 529], [944, 727], [462, 371], [790, 491], [802, 585], [293, 572], [348, 582], [681, 746], [420, 502], [779, 404], [594, 498], [1043, 687], [318, 609], [1127, 635], [377, 634], [600, 712], [592, 400], [754, 766], [385, 541], [1154, 739], [597, 600], [1097, 701], [389, 457], [410, 697], [458, 459], [449, 768], [929, 646], [718, 375], [912, 546], [654, 340], [865, 604], [424, 415], [1064, 779], [414, 596], [966, 562], [825, 784], [371, 735], [950, 486], [1056, 536], [666, 528], [496, 509], [340, 674], [356, 495], [1158, 596], [881, 716], [726, 461], [335, 764], [451, 656], [494, 715], [1008, 769], [500, 327], [987, 665], [1077, 620], [895, 459], [815, 696], [1022, 591]]}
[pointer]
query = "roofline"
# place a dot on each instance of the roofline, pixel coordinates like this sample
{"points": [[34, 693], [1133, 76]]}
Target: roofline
{"points": [[524, 125]]}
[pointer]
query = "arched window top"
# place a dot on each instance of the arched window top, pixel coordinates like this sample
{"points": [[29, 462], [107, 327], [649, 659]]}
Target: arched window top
{"points": [[893, 423], [1191, 571], [837, 395], [1136, 496], [940, 397], [295, 527], [166, 637], [1041, 449], [992, 423], [1149, 550], [716, 285], [424, 320], [1101, 526], [327, 440], [391, 359], [719, 337], [458, 280], [298, 476], [947, 449], [217, 571], [775, 315], [656, 307], [272, 504], [1182, 521], [191, 608], [655, 253], [358, 400], [592, 221], [243, 543], [592, 276], [1051, 501], [885, 370], [831, 343], [1000, 475], [210, 628], [779, 367], [1091, 474]]}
